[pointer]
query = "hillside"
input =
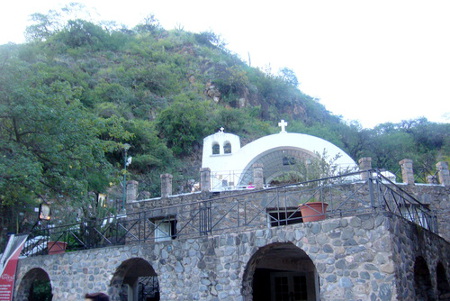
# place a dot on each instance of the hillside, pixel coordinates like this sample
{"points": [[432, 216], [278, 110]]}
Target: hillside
{"points": [[76, 93]]}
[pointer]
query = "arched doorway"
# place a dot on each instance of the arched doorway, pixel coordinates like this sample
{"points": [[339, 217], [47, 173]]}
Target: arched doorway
{"points": [[280, 272], [35, 286], [135, 280], [442, 282], [422, 281]]}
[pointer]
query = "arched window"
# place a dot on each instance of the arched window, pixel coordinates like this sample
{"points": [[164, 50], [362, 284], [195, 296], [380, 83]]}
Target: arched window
{"points": [[227, 148], [216, 149], [442, 282], [422, 280]]}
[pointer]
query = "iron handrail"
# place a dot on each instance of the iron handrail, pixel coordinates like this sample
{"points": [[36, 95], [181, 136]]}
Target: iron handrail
{"points": [[346, 195]]}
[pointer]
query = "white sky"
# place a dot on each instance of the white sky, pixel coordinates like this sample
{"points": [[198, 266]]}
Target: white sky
{"points": [[371, 61]]}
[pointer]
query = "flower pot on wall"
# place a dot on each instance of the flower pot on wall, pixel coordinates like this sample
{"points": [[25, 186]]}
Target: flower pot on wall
{"points": [[313, 211], [56, 247]]}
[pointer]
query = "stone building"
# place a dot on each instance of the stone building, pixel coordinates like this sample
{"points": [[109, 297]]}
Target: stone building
{"points": [[378, 240]]}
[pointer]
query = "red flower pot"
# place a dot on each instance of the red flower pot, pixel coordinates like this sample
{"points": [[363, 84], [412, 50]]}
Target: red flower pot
{"points": [[313, 211], [56, 247]]}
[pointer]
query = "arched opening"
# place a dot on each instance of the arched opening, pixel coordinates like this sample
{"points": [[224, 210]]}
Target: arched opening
{"points": [[422, 280], [227, 148], [216, 149], [35, 286], [442, 282], [135, 280], [280, 271], [284, 165]]}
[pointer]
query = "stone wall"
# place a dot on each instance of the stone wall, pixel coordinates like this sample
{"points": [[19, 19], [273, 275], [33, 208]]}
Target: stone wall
{"points": [[437, 197], [370, 254], [355, 257], [356, 195], [409, 243]]}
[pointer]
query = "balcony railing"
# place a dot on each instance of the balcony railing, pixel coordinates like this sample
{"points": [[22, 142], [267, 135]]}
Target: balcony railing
{"points": [[346, 195]]}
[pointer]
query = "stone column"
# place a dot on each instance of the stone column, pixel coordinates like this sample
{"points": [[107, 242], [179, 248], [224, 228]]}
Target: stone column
{"points": [[365, 164], [166, 185], [205, 179], [443, 173], [407, 171], [258, 175], [132, 190]]}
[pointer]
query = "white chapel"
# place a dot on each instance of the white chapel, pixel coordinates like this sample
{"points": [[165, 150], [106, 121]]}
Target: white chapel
{"points": [[232, 166]]}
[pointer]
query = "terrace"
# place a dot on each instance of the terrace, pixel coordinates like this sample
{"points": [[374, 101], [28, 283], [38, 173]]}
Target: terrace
{"points": [[214, 213]]}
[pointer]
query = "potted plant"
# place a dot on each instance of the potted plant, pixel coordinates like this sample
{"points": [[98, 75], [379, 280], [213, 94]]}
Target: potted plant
{"points": [[313, 211], [56, 247], [56, 243]]}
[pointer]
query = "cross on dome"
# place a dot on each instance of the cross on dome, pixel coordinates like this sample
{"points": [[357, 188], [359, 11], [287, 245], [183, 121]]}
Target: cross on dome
{"points": [[283, 125], [221, 129]]}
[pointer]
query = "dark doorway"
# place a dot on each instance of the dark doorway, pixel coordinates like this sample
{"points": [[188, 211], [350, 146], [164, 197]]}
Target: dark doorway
{"points": [[422, 281], [442, 283], [35, 286], [281, 272], [40, 290], [135, 280]]}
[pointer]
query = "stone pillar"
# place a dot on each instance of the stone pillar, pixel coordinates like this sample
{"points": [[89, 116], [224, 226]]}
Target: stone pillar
{"points": [[365, 164], [132, 190], [166, 185], [407, 171], [205, 179], [443, 173], [258, 175]]}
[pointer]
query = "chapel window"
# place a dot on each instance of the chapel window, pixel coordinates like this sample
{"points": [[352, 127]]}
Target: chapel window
{"points": [[288, 161], [227, 148], [216, 149], [165, 229]]}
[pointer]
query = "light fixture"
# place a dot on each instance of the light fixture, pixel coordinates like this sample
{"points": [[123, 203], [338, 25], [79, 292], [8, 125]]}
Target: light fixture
{"points": [[44, 212], [126, 162]]}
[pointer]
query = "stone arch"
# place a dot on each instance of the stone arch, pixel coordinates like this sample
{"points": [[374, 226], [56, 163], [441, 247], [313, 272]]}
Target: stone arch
{"points": [[134, 280], [277, 270], [35, 285], [443, 285], [422, 280]]}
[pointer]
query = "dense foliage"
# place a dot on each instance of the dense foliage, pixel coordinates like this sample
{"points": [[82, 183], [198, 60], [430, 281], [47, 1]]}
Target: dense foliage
{"points": [[76, 92]]}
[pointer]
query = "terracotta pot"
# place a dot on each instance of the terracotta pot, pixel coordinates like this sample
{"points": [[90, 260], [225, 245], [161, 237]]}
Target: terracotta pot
{"points": [[313, 211], [56, 247]]}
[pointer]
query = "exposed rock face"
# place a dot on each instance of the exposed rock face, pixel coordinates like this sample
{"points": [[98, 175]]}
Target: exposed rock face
{"points": [[212, 91]]}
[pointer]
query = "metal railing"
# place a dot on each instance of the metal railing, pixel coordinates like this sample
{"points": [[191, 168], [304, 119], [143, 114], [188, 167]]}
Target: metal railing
{"points": [[226, 180], [346, 195]]}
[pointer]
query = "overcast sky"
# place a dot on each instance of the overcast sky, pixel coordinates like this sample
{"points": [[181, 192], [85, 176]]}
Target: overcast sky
{"points": [[371, 61]]}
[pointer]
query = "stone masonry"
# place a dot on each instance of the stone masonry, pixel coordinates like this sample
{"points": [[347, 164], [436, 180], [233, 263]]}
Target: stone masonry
{"points": [[355, 258], [369, 255]]}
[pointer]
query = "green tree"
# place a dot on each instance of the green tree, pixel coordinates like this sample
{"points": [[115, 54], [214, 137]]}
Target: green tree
{"points": [[49, 145], [289, 76], [184, 124]]}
